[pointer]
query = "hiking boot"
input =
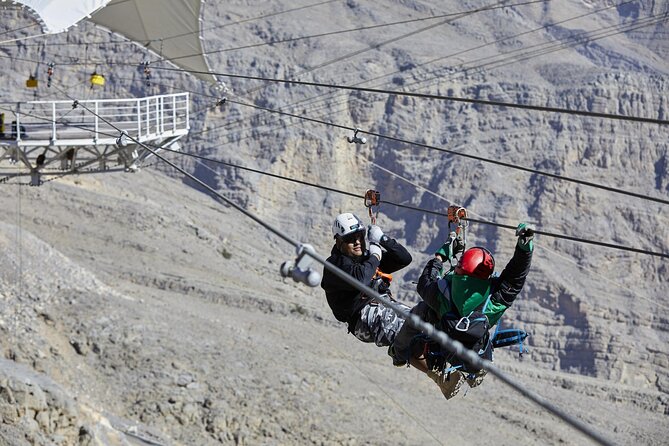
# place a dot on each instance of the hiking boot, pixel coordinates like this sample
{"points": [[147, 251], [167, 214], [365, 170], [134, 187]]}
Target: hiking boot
{"points": [[475, 379], [449, 383]]}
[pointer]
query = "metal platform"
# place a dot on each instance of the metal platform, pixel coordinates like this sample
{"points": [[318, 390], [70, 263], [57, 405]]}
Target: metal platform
{"points": [[63, 137]]}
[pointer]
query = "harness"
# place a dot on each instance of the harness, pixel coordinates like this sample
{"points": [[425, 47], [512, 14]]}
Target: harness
{"points": [[467, 318], [381, 284]]}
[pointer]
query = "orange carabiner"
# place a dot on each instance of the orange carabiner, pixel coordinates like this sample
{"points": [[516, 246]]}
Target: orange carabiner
{"points": [[382, 275]]}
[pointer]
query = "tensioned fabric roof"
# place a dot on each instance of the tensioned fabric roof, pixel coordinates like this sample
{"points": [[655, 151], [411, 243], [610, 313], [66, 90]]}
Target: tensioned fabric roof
{"points": [[169, 28]]}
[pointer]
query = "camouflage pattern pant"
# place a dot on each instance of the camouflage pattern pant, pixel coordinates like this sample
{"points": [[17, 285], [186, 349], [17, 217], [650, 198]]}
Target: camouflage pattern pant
{"points": [[378, 324]]}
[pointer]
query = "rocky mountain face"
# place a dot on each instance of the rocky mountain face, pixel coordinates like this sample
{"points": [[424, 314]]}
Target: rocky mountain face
{"points": [[136, 309]]}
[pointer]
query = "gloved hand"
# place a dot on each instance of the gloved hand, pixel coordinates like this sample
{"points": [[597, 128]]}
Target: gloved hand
{"points": [[375, 249], [451, 247], [525, 235], [374, 234]]}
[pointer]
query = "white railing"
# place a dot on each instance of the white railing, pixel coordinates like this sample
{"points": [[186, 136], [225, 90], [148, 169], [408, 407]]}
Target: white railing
{"points": [[97, 122]]}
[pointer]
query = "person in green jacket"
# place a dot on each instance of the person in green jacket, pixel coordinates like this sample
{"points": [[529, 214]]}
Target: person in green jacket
{"points": [[455, 296]]}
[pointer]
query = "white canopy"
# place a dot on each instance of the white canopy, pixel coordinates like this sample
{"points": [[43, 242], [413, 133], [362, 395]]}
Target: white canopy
{"points": [[56, 16], [170, 28]]}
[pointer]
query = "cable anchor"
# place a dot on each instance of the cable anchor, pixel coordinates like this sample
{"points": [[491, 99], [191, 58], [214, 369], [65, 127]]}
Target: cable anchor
{"points": [[373, 200], [300, 269], [355, 139]]}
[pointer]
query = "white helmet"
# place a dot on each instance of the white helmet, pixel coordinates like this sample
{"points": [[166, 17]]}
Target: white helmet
{"points": [[346, 224]]}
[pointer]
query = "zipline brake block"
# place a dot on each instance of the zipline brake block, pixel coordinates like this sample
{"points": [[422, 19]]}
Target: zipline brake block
{"points": [[300, 270], [356, 139]]}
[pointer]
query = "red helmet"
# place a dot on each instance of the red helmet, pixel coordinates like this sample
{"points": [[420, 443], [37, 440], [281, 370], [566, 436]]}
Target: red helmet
{"points": [[476, 262]]}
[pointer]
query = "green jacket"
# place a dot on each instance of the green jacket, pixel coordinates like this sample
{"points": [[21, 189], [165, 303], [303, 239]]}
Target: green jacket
{"points": [[463, 294]]}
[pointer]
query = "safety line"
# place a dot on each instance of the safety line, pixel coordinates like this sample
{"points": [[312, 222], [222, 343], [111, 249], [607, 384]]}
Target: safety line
{"points": [[428, 96], [413, 320]]}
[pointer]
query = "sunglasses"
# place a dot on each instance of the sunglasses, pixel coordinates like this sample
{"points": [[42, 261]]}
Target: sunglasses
{"points": [[351, 238]]}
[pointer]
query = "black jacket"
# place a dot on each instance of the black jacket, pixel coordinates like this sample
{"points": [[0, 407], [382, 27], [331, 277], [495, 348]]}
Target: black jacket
{"points": [[344, 299]]}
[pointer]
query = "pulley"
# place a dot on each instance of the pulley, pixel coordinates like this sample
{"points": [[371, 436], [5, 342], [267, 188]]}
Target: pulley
{"points": [[355, 139], [457, 215], [373, 200]]}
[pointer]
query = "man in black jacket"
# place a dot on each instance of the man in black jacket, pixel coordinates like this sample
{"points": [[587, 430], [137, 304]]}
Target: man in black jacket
{"points": [[361, 257]]}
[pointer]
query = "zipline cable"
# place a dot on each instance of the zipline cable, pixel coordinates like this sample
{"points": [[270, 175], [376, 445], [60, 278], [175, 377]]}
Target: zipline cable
{"points": [[362, 28], [503, 39], [19, 39], [176, 36], [378, 45], [399, 205], [523, 55], [511, 60], [603, 277], [321, 187], [413, 320], [462, 154], [580, 42], [9, 31], [415, 208], [429, 96]]}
